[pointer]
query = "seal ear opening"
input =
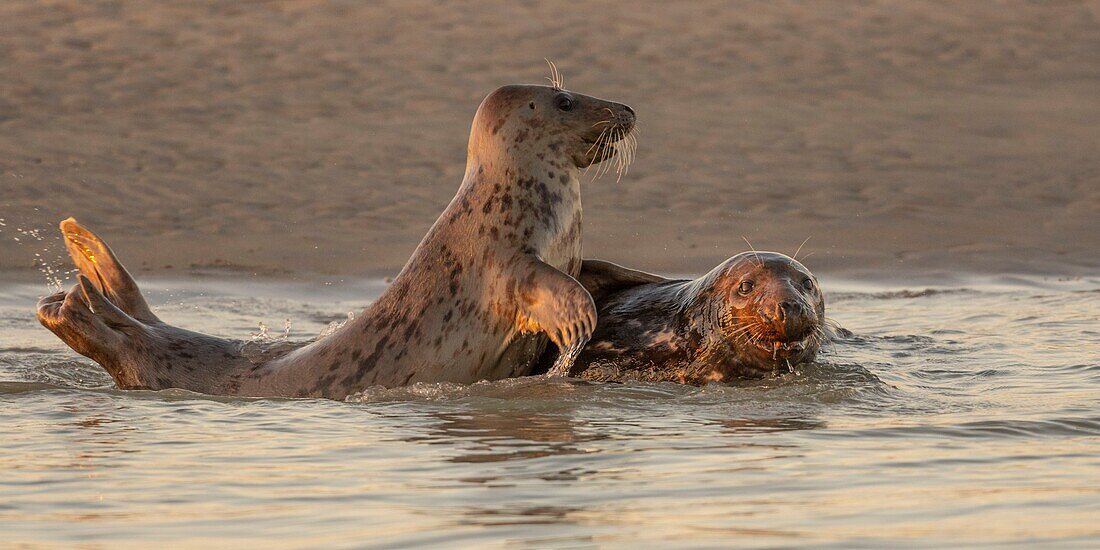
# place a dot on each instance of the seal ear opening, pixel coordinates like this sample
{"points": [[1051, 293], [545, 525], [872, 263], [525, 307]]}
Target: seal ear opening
{"points": [[602, 278], [98, 264]]}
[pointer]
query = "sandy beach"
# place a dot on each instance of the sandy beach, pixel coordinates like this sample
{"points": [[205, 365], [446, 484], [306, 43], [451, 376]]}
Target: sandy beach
{"points": [[907, 138]]}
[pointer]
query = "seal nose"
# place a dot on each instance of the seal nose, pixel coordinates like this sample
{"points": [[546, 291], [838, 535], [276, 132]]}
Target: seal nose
{"points": [[626, 117], [787, 309]]}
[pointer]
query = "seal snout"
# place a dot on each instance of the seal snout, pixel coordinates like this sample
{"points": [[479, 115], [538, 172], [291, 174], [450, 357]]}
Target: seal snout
{"points": [[625, 117], [788, 309], [791, 319], [787, 314]]}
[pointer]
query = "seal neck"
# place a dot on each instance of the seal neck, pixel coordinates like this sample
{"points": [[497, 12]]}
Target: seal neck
{"points": [[703, 312]]}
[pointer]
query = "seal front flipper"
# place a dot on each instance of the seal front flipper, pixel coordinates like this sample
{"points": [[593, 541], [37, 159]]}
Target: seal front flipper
{"points": [[554, 303], [98, 263], [602, 278]]}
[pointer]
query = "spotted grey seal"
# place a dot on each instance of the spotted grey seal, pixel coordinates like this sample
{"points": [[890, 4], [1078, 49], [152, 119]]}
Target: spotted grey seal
{"points": [[489, 283]]}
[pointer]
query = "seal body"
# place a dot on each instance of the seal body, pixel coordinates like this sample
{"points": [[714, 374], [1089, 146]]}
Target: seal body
{"points": [[755, 314], [488, 285]]}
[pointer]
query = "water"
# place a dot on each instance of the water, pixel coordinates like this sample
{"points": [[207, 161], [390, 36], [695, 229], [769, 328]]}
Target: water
{"points": [[953, 416]]}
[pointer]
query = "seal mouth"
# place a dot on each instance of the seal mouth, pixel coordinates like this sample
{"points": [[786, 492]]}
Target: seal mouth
{"points": [[614, 133], [617, 142], [783, 350]]}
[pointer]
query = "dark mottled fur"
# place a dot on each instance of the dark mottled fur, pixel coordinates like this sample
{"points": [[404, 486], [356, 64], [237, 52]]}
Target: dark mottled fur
{"points": [[702, 330], [492, 279]]}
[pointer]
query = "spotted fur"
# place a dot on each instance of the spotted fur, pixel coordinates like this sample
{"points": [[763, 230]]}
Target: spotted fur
{"points": [[491, 281]]}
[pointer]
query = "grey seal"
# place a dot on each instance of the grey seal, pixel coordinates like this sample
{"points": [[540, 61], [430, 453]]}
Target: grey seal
{"points": [[754, 314], [492, 280]]}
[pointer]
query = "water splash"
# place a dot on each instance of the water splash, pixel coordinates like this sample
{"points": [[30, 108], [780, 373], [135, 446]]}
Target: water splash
{"points": [[264, 333], [335, 326], [46, 260]]}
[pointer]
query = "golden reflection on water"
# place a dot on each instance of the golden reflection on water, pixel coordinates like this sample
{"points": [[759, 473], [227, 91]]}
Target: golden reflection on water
{"points": [[936, 425]]}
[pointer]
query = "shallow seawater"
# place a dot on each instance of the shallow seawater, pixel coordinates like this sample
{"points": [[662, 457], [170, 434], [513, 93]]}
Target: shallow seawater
{"points": [[951, 416]]}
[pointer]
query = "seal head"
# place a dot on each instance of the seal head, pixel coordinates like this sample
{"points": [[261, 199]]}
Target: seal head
{"points": [[766, 311], [755, 314], [534, 123]]}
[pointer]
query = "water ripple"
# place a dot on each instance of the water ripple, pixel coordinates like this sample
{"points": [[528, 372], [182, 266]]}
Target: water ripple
{"points": [[943, 409]]}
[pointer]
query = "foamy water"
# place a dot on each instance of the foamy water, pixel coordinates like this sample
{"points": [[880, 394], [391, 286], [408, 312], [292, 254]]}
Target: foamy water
{"points": [[952, 416]]}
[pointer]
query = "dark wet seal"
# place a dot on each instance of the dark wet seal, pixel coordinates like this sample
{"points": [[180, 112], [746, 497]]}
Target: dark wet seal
{"points": [[758, 313]]}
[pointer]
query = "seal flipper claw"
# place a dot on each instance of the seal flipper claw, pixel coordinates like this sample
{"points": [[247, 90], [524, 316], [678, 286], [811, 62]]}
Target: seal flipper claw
{"points": [[98, 263]]}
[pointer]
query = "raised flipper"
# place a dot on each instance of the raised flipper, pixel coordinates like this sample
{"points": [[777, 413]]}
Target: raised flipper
{"points": [[554, 303], [98, 304], [104, 316], [95, 261], [94, 327], [601, 278]]}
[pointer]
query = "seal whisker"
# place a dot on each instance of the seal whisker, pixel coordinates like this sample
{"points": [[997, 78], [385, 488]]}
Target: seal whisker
{"points": [[754, 252], [631, 146], [626, 148], [557, 81], [597, 138], [609, 148], [741, 332], [598, 146], [795, 255], [601, 146], [622, 155]]}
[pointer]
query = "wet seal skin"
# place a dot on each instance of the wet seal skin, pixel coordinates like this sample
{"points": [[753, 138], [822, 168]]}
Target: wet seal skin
{"points": [[491, 282], [756, 314]]}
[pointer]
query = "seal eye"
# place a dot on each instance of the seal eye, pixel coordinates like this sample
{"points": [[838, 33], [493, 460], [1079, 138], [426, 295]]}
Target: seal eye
{"points": [[808, 283], [745, 287], [564, 102]]}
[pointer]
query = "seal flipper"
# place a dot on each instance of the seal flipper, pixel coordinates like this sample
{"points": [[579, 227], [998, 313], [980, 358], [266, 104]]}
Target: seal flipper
{"points": [[554, 303], [98, 304], [98, 263], [92, 326], [602, 278]]}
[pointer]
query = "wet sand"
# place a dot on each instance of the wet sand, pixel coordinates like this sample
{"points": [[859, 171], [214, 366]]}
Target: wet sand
{"points": [[906, 138]]}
